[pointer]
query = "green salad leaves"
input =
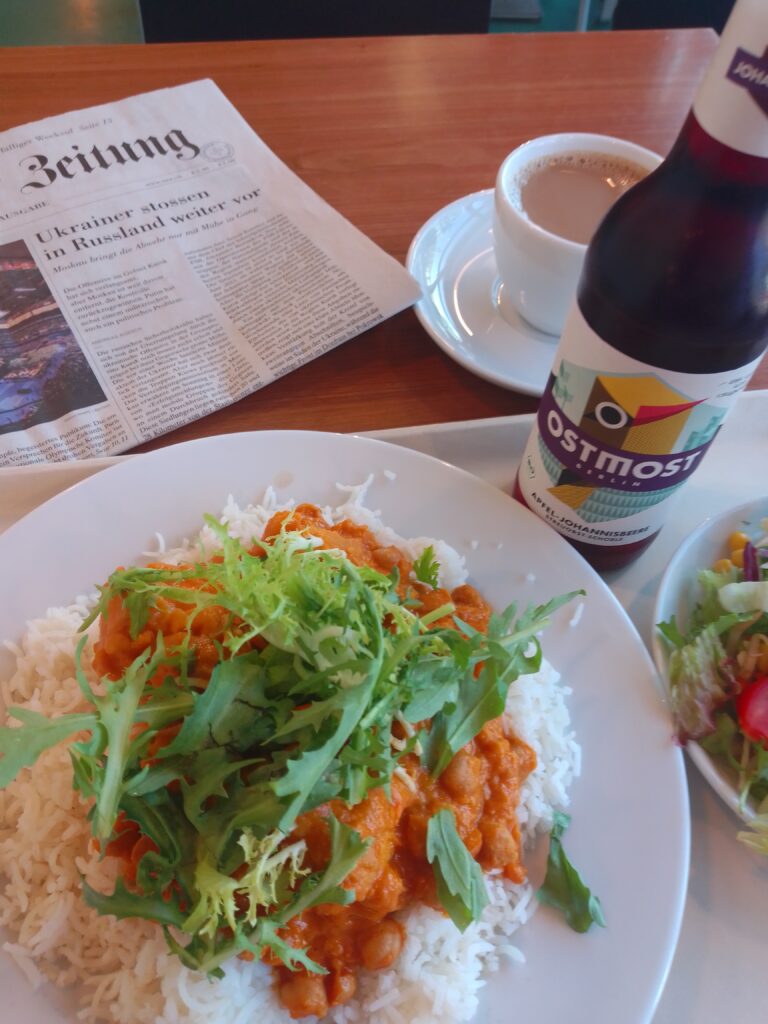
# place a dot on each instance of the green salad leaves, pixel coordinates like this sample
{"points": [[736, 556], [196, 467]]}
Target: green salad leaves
{"points": [[700, 671], [459, 879], [564, 888], [718, 683], [322, 664]]}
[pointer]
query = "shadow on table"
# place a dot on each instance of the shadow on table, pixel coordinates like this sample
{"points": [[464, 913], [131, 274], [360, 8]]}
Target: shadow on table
{"points": [[203, 20], [672, 14]]}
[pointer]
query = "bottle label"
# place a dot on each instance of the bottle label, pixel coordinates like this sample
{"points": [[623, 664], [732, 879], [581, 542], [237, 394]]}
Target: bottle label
{"points": [[615, 438], [732, 102], [751, 73]]}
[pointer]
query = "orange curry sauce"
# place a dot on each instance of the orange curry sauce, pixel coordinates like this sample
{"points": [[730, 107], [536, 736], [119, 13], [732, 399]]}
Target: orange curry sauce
{"points": [[481, 786]]}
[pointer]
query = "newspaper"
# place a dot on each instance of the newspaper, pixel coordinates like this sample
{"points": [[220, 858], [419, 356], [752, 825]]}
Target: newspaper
{"points": [[158, 262]]}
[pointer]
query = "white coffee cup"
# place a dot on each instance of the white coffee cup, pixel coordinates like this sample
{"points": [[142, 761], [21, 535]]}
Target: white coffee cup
{"points": [[540, 270]]}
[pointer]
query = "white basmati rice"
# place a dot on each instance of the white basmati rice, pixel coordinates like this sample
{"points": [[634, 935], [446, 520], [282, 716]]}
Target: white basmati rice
{"points": [[122, 968]]}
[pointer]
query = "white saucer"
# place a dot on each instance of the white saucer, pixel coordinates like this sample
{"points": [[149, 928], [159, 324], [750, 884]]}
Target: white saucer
{"points": [[452, 258]]}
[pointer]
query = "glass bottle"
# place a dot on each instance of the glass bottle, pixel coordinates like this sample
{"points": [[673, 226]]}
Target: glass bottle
{"points": [[669, 322]]}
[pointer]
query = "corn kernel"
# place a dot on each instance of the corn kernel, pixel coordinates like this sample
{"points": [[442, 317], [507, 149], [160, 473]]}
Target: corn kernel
{"points": [[723, 565], [737, 557], [737, 541]]}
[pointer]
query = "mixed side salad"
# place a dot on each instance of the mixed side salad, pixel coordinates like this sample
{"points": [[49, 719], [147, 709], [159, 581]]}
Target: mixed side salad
{"points": [[718, 671]]}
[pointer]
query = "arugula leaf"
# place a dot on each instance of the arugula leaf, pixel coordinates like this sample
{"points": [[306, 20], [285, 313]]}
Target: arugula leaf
{"points": [[292, 958], [563, 887], [426, 568], [212, 768], [478, 701], [347, 847], [504, 652], [458, 877], [153, 778], [434, 684], [20, 748], [339, 717], [117, 709], [207, 955], [307, 769], [123, 904], [367, 762], [233, 711]]}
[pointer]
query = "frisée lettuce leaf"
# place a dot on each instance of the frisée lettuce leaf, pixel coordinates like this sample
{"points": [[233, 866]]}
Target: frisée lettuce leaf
{"points": [[426, 567]]}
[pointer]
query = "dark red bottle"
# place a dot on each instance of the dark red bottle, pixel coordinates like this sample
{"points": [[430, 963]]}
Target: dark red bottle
{"points": [[670, 320]]}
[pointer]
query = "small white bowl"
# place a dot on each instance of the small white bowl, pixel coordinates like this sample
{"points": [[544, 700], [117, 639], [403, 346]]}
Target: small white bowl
{"points": [[677, 596]]}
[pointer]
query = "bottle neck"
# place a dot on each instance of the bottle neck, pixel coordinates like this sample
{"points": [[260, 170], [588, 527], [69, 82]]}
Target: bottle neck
{"points": [[714, 160], [731, 105]]}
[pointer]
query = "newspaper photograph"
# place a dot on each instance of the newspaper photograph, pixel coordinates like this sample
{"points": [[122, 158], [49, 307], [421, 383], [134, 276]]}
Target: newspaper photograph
{"points": [[158, 262]]}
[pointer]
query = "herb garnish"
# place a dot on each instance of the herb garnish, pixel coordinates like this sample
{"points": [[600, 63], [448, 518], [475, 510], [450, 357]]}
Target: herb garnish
{"points": [[563, 887], [275, 731], [426, 568], [458, 877]]}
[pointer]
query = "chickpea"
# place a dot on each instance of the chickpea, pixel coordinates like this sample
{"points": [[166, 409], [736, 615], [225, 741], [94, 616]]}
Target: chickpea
{"points": [[473, 841], [499, 847], [177, 621], [209, 622], [387, 558], [329, 910], [386, 893], [382, 945], [303, 995], [114, 643], [341, 987], [462, 776], [416, 833]]}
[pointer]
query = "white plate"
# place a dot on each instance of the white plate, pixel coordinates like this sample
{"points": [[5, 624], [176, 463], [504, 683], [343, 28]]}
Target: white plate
{"points": [[452, 258], [677, 596], [630, 830]]}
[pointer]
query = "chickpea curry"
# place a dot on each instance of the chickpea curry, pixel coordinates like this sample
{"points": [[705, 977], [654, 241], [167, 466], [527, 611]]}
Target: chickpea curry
{"points": [[292, 741]]}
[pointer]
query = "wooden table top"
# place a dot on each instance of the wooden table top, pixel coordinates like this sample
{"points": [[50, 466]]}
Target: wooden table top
{"points": [[388, 131]]}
